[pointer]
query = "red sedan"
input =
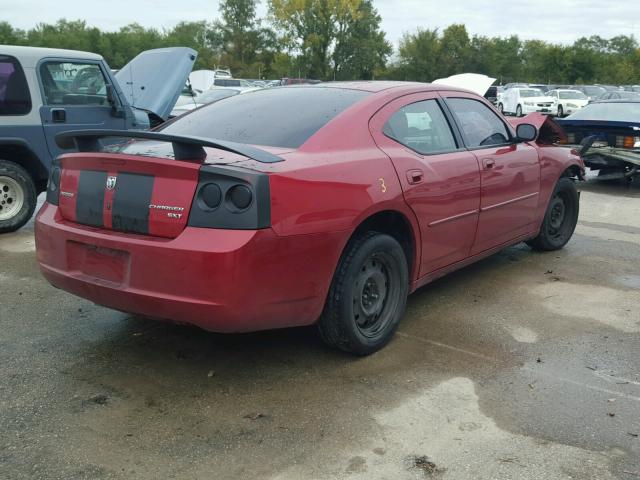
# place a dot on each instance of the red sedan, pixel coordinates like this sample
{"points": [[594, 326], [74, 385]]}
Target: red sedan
{"points": [[323, 204]]}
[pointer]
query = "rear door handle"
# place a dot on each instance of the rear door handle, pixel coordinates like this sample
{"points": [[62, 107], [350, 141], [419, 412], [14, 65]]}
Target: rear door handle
{"points": [[58, 115], [414, 176], [488, 163]]}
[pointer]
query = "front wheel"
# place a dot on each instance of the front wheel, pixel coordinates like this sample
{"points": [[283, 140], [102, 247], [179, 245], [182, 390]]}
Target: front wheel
{"points": [[17, 196], [368, 295], [560, 218]]}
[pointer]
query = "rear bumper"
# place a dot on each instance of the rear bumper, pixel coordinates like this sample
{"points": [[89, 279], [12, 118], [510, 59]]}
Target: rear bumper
{"points": [[220, 280]]}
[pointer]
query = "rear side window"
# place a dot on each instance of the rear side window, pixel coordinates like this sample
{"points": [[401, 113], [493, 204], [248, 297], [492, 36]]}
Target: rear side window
{"points": [[422, 127], [480, 126], [73, 83], [14, 90], [277, 117]]}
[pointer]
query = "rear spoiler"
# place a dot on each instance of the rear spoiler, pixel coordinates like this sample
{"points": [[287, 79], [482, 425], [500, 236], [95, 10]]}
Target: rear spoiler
{"points": [[184, 147]]}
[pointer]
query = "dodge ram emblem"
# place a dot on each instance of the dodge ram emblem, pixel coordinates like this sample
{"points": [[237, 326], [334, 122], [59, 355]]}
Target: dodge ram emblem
{"points": [[111, 183]]}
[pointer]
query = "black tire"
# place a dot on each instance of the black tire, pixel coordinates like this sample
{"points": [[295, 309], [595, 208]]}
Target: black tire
{"points": [[560, 218], [368, 295], [560, 111], [501, 108], [519, 111], [17, 184]]}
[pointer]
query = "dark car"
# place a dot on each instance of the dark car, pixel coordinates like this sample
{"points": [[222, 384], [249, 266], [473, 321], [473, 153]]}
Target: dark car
{"points": [[591, 91], [612, 127], [620, 95], [492, 94]]}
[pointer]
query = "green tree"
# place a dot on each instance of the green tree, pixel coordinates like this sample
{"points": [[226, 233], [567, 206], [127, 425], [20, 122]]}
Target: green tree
{"points": [[418, 56], [361, 48], [311, 27]]}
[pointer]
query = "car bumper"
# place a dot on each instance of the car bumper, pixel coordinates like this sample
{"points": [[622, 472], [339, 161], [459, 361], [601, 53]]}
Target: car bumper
{"points": [[526, 109], [219, 280]]}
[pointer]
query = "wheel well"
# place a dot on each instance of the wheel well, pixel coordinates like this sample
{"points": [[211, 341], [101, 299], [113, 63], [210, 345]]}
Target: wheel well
{"points": [[24, 157], [396, 225], [573, 171]]}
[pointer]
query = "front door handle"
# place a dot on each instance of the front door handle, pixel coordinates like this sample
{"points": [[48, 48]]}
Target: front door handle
{"points": [[414, 176], [488, 163], [58, 115]]}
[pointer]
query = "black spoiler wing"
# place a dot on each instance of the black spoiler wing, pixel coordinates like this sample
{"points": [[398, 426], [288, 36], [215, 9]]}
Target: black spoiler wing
{"points": [[184, 147]]}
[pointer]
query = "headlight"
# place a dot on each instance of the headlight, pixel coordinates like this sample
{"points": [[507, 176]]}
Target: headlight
{"points": [[529, 104]]}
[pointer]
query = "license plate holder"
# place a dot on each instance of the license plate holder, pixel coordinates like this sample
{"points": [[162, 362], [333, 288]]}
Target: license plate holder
{"points": [[100, 263]]}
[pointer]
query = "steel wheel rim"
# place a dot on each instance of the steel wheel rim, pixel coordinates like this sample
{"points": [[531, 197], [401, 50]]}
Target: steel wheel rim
{"points": [[373, 296], [11, 198], [559, 216]]}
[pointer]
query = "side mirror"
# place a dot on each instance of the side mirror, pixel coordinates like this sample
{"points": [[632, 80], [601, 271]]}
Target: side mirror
{"points": [[525, 132], [116, 108]]}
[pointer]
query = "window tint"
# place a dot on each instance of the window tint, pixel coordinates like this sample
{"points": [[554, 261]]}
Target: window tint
{"points": [[422, 127], [227, 82], [14, 90], [70, 83], [279, 117], [480, 126]]}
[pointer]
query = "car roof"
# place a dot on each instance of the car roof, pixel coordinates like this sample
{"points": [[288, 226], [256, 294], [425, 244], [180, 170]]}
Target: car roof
{"points": [[375, 86], [30, 56], [617, 100]]}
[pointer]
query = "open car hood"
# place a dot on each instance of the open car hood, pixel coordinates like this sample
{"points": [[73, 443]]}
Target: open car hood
{"points": [[153, 80], [549, 131], [475, 82]]}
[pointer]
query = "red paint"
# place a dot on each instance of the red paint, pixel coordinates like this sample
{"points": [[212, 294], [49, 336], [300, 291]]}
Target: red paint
{"points": [[461, 206]]}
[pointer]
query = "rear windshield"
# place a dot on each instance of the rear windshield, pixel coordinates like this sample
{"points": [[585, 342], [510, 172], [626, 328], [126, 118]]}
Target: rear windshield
{"points": [[612, 112], [278, 117]]}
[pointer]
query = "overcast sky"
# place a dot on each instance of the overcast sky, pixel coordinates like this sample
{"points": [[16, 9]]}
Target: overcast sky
{"points": [[551, 20]]}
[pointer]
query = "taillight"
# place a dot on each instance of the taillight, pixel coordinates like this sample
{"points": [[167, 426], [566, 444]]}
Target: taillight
{"points": [[53, 185], [231, 198], [627, 142]]}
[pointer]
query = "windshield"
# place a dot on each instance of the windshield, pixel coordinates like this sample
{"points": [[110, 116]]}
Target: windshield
{"points": [[215, 95], [572, 95], [279, 117], [531, 92], [611, 112]]}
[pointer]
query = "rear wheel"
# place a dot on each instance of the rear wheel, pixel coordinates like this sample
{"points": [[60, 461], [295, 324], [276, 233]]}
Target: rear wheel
{"points": [[17, 196], [560, 111], [519, 111], [560, 218], [368, 295]]}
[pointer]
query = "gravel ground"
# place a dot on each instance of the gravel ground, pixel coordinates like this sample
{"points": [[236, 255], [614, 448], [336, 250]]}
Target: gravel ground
{"points": [[523, 366]]}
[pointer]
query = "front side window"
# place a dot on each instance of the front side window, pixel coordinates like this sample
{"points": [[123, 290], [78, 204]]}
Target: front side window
{"points": [[422, 127], [480, 126], [14, 90], [73, 83]]}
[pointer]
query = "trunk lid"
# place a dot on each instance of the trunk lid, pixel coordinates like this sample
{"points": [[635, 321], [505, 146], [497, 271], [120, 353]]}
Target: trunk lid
{"points": [[153, 80], [126, 193], [607, 133]]}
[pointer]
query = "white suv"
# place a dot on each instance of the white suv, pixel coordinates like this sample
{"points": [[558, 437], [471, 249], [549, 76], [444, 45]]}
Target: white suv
{"points": [[522, 101]]}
